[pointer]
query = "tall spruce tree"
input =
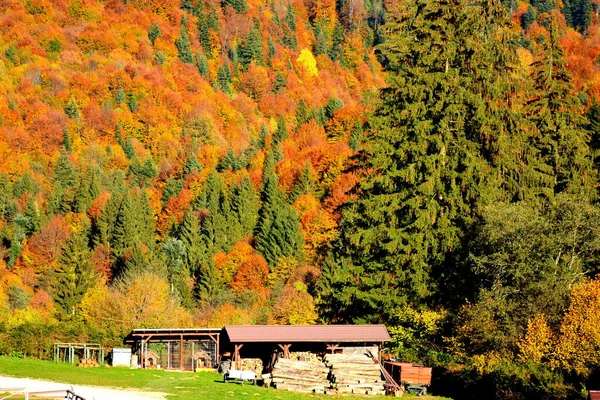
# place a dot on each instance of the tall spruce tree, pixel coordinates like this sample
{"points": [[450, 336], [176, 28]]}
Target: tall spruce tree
{"points": [[430, 159], [244, 203], [75, 274], [277, 230], [562, 141], [183, 42]]}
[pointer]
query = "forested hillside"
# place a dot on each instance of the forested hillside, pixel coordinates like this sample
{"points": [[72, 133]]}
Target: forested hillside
{"points": [[430, 165]]}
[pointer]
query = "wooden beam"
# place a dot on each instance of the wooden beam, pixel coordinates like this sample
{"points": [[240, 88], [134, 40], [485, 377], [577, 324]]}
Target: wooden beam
{"points": [[286, 349], [333, 347], [146, 340]]}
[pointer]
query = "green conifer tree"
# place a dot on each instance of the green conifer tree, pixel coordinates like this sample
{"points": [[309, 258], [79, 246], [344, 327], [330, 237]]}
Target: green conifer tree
{"points": [[245, 203], [154, 33], [304, 185], [183, 42], [556, 112], [427, 164], [277, 229], [75, 274]]}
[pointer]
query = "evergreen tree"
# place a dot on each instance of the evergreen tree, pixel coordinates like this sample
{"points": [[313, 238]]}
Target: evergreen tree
{"points": [[154, 33], [125, 143], [183, 42], [187, 6], [281, 133], [238, 5], [189, 233], [202, 65], [593, 117], [333, 104], [120, 97], [104, 227], [191, 165], [578, 14], [528, 18], [277, 229], [66, 140], [224, 78], [251, 49], [177, 273], [262, 137], [335, 50], [214, 228], [229, 161], [72, 108], [172, 188], [426, 166], [89, 188], [32, 214], [304, 185], [279, 83], [244, 203], [556, 113], [75, 274]]}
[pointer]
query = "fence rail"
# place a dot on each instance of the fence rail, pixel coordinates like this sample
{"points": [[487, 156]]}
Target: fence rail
{"points": [[18, 393]]}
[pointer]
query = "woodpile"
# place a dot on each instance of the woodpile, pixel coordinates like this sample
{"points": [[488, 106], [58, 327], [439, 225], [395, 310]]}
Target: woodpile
{"points": [[88, 363], [305, 356], [355, 373], [252, 364], [300, 376]]}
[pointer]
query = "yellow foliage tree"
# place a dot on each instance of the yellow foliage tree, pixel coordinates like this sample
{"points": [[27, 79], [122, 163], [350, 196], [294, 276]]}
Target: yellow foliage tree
{"points": [[536, 344], [579, 340], [295, 306], [317, 225], [307, 60]]}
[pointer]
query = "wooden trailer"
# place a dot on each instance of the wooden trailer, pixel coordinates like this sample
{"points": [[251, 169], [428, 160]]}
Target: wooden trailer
{"points": [[415, 378]]}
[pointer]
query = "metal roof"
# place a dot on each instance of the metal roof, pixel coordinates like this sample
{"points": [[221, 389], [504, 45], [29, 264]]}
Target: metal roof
{"points": [[594, 394], [307, 333], [168, 334]]}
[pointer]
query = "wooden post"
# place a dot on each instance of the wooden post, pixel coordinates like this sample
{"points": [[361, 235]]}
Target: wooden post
{"points": [[181, 352], [236, 355], [332, 347], [286, 349]]}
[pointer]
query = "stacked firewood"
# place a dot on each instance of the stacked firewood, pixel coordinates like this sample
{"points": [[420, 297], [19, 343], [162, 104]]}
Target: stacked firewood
{"points": [[88, 363], [300, 376], [252, 364], [305, 356], [355, 373]]}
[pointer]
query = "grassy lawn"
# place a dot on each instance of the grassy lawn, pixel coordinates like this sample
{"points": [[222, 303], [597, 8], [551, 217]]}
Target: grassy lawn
{"points": [[178, 385]]}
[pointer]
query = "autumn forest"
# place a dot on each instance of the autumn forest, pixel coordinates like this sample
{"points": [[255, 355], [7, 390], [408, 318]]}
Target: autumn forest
{"points": [[430, 165]]}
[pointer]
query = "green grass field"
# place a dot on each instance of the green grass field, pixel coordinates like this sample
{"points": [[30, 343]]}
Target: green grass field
{"points": [[177, 385]]}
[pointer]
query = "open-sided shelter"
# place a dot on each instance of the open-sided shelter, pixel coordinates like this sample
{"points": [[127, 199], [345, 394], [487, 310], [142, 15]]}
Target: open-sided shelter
{"points": [[181, 349], [265, 341]]}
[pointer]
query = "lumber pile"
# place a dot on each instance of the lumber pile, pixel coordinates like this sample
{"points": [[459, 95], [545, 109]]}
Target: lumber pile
{"points": [[355, 373], [252, 364], [88, 363], [300, 376]]}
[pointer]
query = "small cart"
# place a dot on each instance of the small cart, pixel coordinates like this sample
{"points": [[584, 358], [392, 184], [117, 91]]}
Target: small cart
{"points": [[240, 376]]}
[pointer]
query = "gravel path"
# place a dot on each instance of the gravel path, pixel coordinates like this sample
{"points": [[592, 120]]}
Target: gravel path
{"points": [[87, 392]]}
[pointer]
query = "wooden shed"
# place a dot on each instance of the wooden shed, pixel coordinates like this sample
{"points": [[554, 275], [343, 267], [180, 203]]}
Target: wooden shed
{"points": [[179, 349], [260, 340]]}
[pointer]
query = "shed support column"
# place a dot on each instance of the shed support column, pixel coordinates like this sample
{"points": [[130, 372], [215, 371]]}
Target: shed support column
{"points": [[286, 350], [332, 347], [236, 355], [181, 352]]}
